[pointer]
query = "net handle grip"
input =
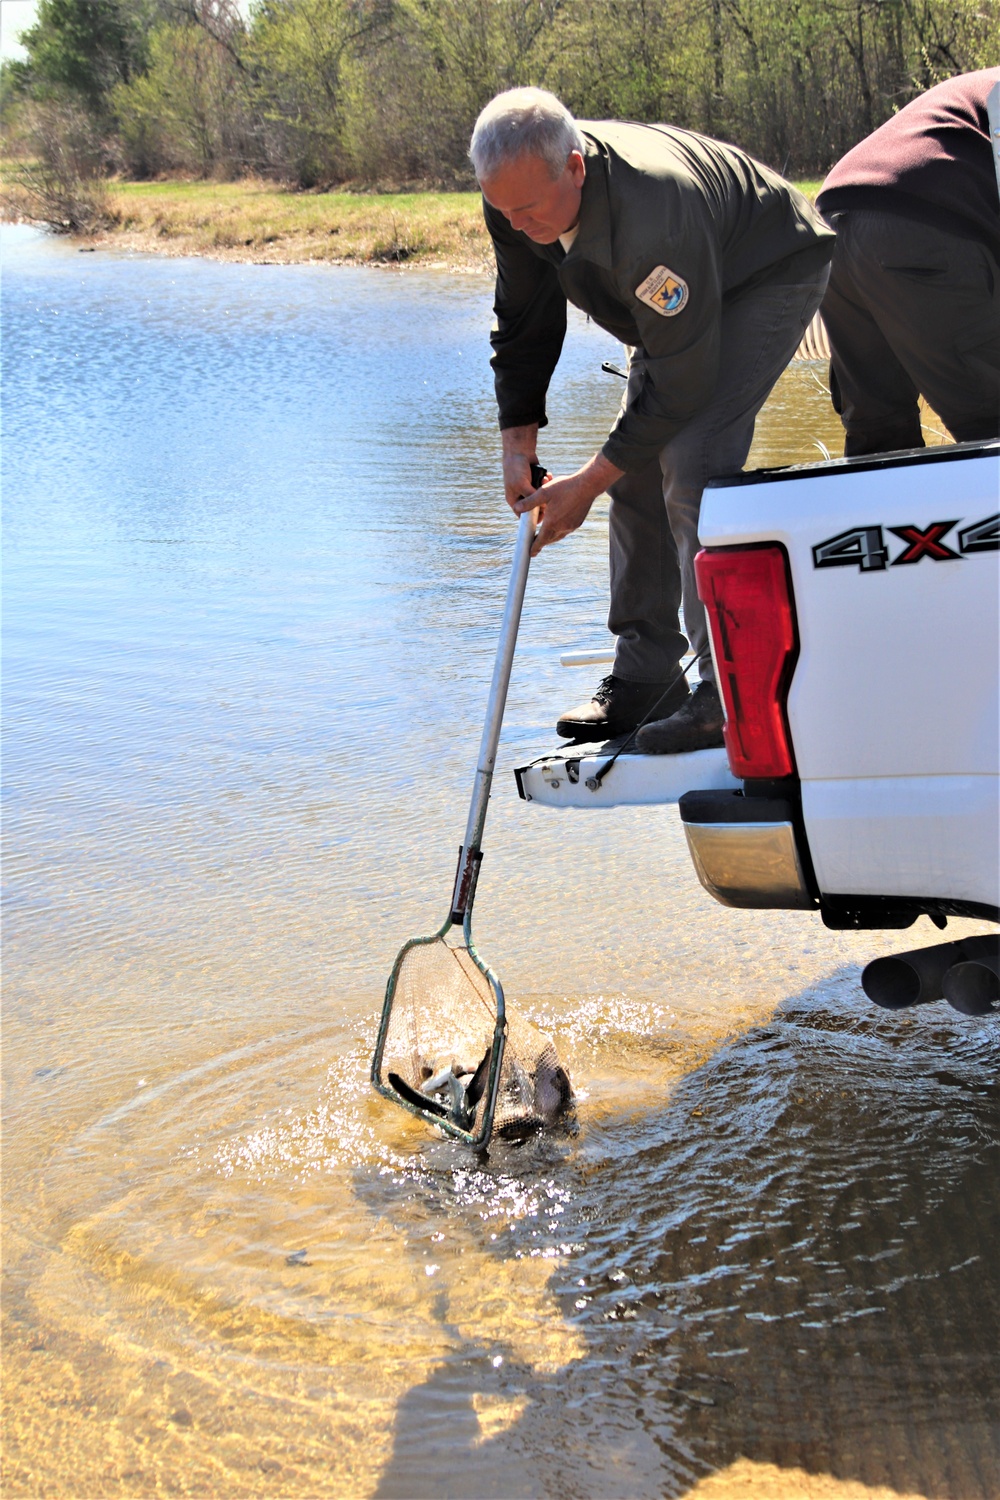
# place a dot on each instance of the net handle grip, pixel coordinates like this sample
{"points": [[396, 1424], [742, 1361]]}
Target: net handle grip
{"points": [[466, 877]]}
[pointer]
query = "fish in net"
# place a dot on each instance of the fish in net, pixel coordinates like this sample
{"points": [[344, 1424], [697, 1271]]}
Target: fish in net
{"points": [[448, 1031]]}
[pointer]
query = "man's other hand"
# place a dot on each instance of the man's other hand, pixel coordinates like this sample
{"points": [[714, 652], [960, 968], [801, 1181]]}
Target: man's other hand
{"points": [[565, 503]]}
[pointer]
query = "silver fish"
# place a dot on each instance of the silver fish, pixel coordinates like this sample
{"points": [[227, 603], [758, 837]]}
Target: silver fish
{"points": [[463, 1089]]}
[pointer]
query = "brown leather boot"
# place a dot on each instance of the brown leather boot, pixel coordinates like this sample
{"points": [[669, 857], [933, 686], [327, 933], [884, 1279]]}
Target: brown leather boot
{"points": [[697, 725], [618, 706]]}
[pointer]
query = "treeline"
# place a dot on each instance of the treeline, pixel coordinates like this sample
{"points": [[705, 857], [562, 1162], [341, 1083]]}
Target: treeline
{"points": [[316, 92]]}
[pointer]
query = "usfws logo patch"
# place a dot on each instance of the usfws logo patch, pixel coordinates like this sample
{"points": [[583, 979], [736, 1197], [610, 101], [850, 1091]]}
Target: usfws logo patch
{"points": [[663, 291]]}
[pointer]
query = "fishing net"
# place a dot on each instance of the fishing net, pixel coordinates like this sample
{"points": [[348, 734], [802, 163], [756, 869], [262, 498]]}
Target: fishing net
{"points": [[448, 1049], [440, 1039]]}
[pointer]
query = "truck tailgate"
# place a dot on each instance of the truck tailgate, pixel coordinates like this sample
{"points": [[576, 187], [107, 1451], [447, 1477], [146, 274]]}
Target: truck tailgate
{"points": [[893, 707]]}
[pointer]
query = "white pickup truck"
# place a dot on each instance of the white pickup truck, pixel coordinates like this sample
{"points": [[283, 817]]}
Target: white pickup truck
{"points": [[854, 608]]}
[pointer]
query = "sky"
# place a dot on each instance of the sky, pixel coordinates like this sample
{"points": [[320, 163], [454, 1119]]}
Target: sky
{"points": [[15, 16]]}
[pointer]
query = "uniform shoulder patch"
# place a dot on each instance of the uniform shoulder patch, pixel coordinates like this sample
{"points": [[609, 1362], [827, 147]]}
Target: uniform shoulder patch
{"points": [[664, 291]]}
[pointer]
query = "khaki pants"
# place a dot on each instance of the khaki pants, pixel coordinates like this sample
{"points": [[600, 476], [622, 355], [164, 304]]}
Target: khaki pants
{"points": [[654, 513], [911, 309]]}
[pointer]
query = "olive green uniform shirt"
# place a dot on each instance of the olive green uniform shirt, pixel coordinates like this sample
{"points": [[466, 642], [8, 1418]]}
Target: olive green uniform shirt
{"points": [[672, 225]]}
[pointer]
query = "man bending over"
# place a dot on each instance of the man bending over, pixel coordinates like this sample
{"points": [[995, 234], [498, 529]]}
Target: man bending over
{"points": [[709, 267]]}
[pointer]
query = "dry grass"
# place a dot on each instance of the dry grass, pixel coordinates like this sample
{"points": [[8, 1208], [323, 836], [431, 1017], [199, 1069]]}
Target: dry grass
{"points": [[256, 221]]}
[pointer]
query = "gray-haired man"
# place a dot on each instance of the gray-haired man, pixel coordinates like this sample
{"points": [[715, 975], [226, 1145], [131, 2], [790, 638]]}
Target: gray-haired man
{"points": [[709, 267]]}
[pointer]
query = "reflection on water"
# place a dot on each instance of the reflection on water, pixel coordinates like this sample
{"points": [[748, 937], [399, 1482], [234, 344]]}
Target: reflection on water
{"points": [[254, 566]]}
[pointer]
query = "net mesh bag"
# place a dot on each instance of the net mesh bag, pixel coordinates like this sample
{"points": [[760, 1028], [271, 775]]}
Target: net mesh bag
{"points": [[442, 1017]]}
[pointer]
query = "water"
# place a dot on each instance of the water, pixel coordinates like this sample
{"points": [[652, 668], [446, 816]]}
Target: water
{"points": [[254, 566]]}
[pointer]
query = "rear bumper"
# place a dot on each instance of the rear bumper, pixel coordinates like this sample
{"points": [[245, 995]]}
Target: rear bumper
{"points": [[745, 850]]}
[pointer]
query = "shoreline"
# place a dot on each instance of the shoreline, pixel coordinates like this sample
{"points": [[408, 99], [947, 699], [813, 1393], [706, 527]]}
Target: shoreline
{"points": [[261, 223], [182, 246]]}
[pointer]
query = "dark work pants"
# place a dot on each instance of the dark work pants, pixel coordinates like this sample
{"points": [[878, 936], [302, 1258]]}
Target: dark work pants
{"points": [[654, 513], [911, 309]]}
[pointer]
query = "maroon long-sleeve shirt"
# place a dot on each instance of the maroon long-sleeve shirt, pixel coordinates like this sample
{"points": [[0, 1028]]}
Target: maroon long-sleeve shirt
{"points": [[932, 161]]}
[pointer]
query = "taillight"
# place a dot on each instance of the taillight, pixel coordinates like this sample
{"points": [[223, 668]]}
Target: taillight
{"points": [[747, 594]]}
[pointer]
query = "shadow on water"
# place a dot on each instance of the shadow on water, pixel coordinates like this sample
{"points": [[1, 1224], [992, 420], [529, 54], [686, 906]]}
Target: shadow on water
{"points": [[792, 1264]]}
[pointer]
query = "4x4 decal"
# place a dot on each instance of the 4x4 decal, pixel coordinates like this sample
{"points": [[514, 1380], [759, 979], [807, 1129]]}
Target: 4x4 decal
{"points": [[864, 546]]}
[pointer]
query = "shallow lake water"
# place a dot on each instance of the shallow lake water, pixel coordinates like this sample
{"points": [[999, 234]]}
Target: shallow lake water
{"points": [[255, 559]]}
